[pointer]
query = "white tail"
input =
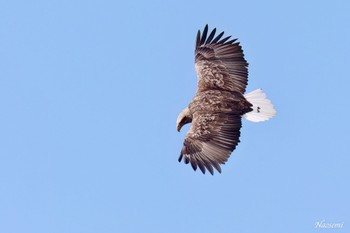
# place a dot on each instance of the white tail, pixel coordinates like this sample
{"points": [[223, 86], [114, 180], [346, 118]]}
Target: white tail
{"points": [[262, 107]]}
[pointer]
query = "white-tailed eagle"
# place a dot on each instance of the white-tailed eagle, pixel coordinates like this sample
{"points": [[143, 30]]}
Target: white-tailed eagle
{"points": [[216, 110]]}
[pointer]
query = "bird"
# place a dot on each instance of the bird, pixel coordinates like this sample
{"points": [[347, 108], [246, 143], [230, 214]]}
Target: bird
{"points": [[220, 102]]}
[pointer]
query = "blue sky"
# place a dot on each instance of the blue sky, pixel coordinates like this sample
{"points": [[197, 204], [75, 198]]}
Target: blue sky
{"points": [[89, 96]]}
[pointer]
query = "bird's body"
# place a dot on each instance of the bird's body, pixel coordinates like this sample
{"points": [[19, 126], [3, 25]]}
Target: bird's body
{"points": [[219, 104], [220, 101]]}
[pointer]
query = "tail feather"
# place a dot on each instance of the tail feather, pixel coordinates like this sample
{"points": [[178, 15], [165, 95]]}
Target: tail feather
{"points": [[262, 107]]}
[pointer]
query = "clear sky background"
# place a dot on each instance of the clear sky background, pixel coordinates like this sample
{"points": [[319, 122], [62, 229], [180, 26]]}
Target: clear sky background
{"points": [[89, 96]]}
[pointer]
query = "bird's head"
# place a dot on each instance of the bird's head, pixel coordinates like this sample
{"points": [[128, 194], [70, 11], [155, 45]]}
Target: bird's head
{"points": [[183, 118]]}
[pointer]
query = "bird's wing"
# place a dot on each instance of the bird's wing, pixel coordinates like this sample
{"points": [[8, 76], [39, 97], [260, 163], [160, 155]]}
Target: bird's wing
{"points": [[220, 63], [210, 140]]}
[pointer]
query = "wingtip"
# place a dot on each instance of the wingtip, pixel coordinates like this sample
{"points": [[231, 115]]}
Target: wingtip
{"points": [[180, 158], [198, 39], [224, 40], [194, 165], [204, 35], [202, 170], [203, 38], [218, 37], [211, 36]]}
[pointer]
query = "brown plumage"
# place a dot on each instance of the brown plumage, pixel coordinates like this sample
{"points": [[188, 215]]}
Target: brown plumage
{"points": [[219, 103]]}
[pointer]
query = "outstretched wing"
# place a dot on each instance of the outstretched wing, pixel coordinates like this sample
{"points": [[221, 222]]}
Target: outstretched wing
{"points": [[220, 63], [210, 140]]}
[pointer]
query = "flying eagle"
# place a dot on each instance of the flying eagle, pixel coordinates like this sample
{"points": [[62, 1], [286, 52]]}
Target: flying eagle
{"points": [[219, 104]]}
